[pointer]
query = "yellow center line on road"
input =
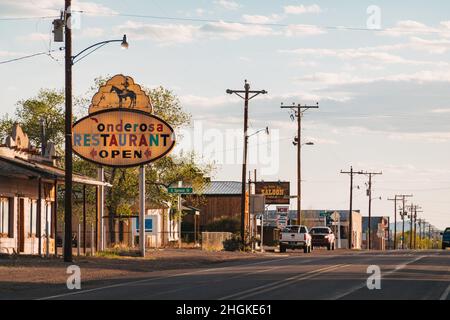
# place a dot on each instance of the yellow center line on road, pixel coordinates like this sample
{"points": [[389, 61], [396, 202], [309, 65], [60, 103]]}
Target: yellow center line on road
{"points": [[282, 283]]}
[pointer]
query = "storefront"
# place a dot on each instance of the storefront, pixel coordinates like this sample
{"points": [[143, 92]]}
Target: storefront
{"points": [[28, 196]]}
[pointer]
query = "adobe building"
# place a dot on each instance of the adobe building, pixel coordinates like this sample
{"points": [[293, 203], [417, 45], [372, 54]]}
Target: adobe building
{"points": [[379, 232], [29, 180]]}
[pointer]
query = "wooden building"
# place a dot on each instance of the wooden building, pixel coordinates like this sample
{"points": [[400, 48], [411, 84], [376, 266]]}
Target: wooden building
{"points": [[217, 200], [29, 180]]}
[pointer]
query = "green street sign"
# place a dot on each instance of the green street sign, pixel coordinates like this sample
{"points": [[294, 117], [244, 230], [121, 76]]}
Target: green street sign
{"points": [[180, 190], [323, 214]]}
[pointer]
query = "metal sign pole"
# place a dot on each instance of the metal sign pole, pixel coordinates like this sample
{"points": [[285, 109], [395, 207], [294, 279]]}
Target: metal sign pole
{"points": [[101, 199], [142, 210], [180, 184]]}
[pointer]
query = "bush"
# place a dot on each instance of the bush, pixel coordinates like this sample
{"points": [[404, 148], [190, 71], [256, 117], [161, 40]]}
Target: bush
{"points": [[233, 244], [224, 225]]}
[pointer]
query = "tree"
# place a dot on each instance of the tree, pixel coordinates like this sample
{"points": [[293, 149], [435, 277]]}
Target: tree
{"points": [[48, 105]]}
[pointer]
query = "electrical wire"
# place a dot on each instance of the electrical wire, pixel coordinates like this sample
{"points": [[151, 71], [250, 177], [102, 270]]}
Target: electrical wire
{"points": [[200, 20], [47, 53]]}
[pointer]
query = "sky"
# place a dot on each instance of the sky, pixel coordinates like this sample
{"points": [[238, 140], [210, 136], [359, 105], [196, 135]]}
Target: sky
{"points": [[380, 71]]}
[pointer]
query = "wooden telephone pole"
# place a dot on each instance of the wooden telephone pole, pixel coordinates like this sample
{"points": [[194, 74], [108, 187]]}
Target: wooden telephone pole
{"points": [[350, 215], [298, 112], [369, 193], [246, 95]]}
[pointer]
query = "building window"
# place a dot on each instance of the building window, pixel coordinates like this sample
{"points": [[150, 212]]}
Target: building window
{"points": [[48, 216], [4, 216], [33, 211]]}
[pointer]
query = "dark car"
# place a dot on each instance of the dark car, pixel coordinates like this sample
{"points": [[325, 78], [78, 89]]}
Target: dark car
{"points": [[59, 240], [323, 237], [446, 239]]}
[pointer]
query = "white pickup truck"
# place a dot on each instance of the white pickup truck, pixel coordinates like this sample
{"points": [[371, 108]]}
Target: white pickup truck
{"points": [[295, 237]]}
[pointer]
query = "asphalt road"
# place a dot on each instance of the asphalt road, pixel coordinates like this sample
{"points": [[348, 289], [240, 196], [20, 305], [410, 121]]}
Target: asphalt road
{"points": [[404, 276]]}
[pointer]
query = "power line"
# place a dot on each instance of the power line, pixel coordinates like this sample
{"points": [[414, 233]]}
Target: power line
{"points": [[200, 20], [47, 53], [26, 18]]}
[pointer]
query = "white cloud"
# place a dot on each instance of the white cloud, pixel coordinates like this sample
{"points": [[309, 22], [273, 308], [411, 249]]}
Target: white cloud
{"points": [[36, 36], [228, 4], [182, 33], [301, 30], [29, 8], [330, 79], [10, 53], [261, 19], [411, 27], [441, 110], [93, 9], [202, 102], [321, 141], [438, 46], [162, 33], [234, 31], [91, 32], [370, 54], [301, 9], [432, 137]]}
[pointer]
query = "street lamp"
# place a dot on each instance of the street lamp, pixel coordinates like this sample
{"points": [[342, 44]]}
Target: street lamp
{"points": [[266, 129], [69, 62]]}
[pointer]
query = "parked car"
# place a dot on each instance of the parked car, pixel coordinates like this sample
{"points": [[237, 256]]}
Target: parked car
{"points": [[295, 237], [59, 240], [446, 239], [323, 237]]}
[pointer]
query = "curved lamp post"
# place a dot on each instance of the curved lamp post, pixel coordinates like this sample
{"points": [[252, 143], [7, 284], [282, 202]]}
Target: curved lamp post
{"points": [[69, 62]]}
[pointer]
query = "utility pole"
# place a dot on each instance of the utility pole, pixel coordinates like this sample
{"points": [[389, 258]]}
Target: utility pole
{"points": [[395, 220], [369, 193], [413, 224], [68, 135], [402, 215], [397, 197], [246, 95], [298, 112], [350, 215]]}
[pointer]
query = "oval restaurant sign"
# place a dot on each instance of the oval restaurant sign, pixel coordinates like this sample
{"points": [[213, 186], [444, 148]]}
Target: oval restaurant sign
{"points": [[120, 131]]}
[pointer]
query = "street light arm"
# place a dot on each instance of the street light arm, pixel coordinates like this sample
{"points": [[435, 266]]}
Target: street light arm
{"points": [[260, 130], [99, 44]]}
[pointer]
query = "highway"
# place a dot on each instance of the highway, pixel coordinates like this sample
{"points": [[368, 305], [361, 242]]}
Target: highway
{"points": [[321, 275]]}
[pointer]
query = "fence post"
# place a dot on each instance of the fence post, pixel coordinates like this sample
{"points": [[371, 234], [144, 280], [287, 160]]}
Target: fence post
{"points": [[78, 239], [92, 239]]}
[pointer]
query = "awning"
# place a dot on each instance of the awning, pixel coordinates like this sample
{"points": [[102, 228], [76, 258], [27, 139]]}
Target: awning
{"points": [[21, 168]]}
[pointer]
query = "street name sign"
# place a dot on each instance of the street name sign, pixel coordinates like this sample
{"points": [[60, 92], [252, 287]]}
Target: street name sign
{"points": [[180, 190]]}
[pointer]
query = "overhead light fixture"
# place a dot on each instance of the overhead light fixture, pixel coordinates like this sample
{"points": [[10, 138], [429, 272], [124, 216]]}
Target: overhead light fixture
{"points": [[124, 43]]}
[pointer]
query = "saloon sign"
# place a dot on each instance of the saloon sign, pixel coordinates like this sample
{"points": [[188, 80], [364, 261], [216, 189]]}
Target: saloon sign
{"points": [[275, 192], [120, 130]]}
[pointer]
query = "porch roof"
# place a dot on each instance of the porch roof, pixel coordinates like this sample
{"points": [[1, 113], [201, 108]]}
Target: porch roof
{"points": [[21, 168]]}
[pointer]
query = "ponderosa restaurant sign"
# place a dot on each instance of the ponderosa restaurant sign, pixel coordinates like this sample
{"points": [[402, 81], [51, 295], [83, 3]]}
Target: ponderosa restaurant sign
{"points": [[120, 130]]}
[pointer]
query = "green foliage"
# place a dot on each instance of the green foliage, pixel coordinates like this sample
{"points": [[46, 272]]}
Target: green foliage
{"points": [[224, 225], [233, 244]]}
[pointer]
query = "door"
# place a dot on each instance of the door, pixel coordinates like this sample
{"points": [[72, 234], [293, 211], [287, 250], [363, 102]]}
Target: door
{"points": [[21, 225]]}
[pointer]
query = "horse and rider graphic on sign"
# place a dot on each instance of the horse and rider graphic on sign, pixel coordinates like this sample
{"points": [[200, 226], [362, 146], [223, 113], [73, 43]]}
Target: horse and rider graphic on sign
{"points": [[121, 92]]}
